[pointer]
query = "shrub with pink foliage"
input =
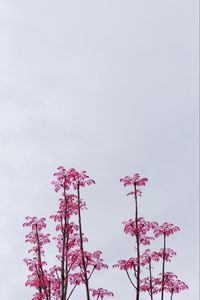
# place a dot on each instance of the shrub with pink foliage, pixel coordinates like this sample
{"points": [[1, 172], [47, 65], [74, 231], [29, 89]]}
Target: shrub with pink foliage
{"points": [[145, 232], [75, 265]]}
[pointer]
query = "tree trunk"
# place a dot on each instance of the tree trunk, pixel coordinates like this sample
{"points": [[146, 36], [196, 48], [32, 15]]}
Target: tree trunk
{"points": [[137, 246], [81, 245], [163, 269], [150, 276]]}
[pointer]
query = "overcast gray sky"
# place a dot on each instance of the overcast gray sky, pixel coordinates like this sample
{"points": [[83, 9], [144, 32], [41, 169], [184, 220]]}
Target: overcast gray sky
{"points": [[110, 87]]}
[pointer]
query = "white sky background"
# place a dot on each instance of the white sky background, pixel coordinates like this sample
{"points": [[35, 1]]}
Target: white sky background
{"points": [[109, 87]]}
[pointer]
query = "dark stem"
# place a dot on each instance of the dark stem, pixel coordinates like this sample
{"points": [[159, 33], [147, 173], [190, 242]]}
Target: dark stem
{"points": [[40, 265], [129, 277], [163, 269], [137, 244], [81, 244], [66, 267], [64, 233], [171, 295], [91, 273], [49, 283], [72, 291], [135, 271], [150, 276], [39, 279]]}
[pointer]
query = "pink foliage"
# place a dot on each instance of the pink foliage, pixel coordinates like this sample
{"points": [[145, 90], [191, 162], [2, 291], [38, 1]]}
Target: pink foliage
{"points": [[166, 229], [39, 277], [141, 227], [173, 284], [75, 266], [72, 259], [150, 285], [144, 233], [135, 181], [167, 254], [149, 256], [101, 293], [123, 264], [67, 178]]}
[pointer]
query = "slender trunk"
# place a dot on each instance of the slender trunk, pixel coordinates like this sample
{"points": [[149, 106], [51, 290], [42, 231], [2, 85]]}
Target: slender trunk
{"points": [[137, 245], [150, 280], [71, 291], [81, 244], [171, 295], [40, 283], [40, 271], [49, 283], [129, 277], [163, 269], [64, 265], [63, 262]]}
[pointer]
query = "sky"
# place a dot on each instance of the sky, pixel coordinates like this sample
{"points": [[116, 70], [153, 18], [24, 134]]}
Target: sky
{"points": [[110, 87]]}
